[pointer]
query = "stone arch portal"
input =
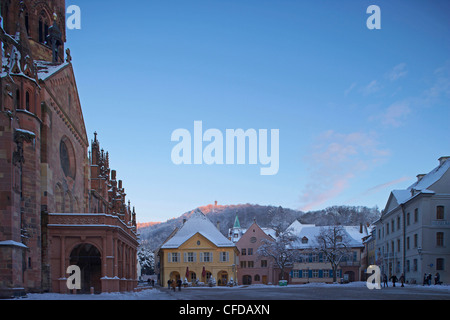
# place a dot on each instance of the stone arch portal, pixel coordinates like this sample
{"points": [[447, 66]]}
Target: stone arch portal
{"points": [[88, 258]]}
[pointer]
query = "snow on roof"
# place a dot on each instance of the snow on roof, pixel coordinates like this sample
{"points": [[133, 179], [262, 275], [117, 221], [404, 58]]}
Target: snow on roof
{"points": [[47, 69], [431, 178], [11, 243], [311, 232], [401, 196], [198, 223], [297, 226], [423, 185]]}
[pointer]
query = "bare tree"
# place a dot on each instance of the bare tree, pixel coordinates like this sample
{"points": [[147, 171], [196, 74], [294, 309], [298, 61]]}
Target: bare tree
{"points": [[280, 250], [334, 245]]}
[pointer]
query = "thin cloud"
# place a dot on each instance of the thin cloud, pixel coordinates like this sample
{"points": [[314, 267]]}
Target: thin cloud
{"points": [[350, 89], [334, 161], [398, 72], [378, 188], [396, 114], [371, 88]]}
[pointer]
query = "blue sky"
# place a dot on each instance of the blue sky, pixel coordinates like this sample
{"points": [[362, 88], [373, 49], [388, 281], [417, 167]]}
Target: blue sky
{"points": [[360, 112]]}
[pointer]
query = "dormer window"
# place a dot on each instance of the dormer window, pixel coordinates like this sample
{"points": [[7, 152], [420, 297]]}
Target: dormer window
{"points": [[305, 240], [338, 239]]}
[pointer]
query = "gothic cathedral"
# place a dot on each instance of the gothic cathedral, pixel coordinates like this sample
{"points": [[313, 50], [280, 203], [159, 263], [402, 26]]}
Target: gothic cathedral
{"points": [[60, 203]]}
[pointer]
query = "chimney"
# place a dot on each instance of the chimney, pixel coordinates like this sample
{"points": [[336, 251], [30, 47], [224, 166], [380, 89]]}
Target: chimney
{"points": [[184, 221], [215, 203], [218, 225], [420, 177], [120, 184], [361, 228], [442, 160], [113, 175]]}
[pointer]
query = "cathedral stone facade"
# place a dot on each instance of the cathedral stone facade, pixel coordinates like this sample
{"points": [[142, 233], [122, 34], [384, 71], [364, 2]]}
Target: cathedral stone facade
{"points": [[60, 203]]}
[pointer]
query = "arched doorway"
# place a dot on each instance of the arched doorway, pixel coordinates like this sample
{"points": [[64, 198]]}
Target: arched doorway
{"points": [[222, 277], [247, 280], [174, 275], [88, 258]]}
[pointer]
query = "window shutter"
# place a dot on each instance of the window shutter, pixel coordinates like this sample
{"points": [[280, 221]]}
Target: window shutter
{"points": [[320, 273], [310, 273], [201, 256], [300, 273]]}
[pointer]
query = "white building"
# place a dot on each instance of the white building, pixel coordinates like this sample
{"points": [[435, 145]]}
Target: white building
{"points": [[413, 233], [314, 267]]}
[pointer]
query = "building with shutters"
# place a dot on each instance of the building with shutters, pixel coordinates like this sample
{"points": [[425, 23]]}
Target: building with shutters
{"points": [[198, 252]]}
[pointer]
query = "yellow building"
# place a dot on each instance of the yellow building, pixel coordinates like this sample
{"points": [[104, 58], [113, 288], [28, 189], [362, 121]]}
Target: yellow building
{"points": [[198, 252]]}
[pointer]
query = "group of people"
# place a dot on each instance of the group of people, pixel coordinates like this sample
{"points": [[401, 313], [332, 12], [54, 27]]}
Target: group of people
{"points": [[173, 284], [394, 280], [426, 279]]}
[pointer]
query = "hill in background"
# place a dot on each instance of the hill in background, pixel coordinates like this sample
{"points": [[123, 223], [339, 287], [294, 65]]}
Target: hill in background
{"points": [[154, 234]]}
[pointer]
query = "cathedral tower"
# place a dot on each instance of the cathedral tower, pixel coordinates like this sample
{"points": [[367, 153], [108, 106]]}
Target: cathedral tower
{"points": [[44, 23]]}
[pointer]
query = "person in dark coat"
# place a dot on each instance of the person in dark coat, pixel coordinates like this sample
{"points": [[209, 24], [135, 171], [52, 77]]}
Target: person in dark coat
{"points": [[394, 279], [402, 280], [437, 279], [174, 285], [424, 279], [169, 282], [179, 283], [429, 279], [385, 280]]}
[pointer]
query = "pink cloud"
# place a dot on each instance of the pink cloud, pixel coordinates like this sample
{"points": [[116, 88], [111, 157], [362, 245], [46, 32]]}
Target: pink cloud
{"points": [[336, 159]]}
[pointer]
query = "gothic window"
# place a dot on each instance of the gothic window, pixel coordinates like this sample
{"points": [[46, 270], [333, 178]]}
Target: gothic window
{"points": [[17, 99], [67, 158], [27, 101], [27, 23], [43, 28]]}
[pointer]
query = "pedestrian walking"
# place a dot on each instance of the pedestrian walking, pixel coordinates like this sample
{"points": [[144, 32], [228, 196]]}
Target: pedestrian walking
{"points": [[394, 279], [402, 280], [174, 285], [169, 282], [385, 280], [429, 279], [424, 279], [179, 283], [437, 279]]}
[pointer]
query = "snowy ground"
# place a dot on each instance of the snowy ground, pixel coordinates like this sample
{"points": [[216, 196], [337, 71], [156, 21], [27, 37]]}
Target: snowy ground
{"points": [[150, 294], [356, 290]]}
